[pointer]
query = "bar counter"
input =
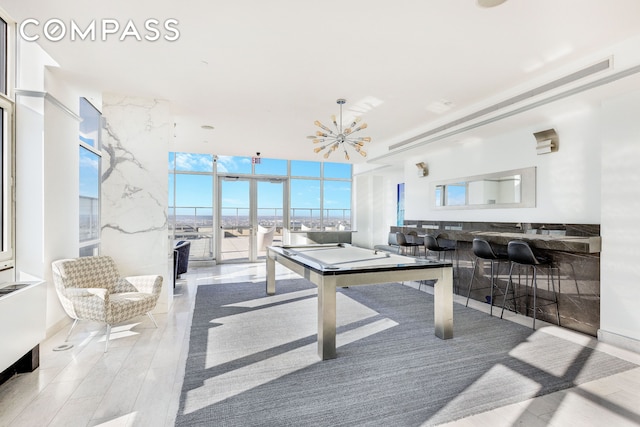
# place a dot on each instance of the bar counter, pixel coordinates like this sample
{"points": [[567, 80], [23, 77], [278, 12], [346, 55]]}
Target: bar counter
{"points": [[574, 250], [551, 242]]}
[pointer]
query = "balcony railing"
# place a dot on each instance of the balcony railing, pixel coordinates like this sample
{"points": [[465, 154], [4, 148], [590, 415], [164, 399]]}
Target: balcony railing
{"points": [[89, 218], [196, 220]]}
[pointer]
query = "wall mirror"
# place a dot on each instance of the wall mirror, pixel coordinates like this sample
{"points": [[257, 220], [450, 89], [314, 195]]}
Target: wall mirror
{"points": [[508, 189]]}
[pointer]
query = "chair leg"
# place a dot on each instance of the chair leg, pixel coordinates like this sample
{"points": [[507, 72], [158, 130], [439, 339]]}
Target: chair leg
{"points": [[491, 280], [152, 319], [75, 322], [555, 295], [473, 271], [506, 290], [534, 282], [106, 341]]}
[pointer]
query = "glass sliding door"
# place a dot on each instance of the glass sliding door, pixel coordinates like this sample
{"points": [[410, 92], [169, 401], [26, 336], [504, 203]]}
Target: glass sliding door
{"points": [[235, 224], [251, 217]]}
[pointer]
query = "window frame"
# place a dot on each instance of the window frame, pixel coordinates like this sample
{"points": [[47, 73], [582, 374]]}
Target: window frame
{"points": [[96, 150], [7, 148]]}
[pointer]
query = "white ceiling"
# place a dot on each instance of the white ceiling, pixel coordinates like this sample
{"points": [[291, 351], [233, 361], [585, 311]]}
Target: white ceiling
{"points": [[262, 71]]}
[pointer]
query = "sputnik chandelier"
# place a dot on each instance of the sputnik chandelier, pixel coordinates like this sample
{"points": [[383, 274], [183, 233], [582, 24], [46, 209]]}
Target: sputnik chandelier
{"points": [[340, 138]]}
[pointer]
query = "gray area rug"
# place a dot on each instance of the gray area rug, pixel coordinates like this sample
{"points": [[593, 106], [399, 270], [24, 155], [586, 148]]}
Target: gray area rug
{"points": [[400, 376]]}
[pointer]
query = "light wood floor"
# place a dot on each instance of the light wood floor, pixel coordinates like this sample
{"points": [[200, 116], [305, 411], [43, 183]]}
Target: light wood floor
{"points": [[138, 382]]}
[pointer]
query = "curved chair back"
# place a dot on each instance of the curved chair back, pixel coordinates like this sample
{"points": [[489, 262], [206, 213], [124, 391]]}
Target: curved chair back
{"points": [[521, 253], [431, 243], [392, 240], [181, 257], [265, 237], [401, 239], [414, 239], [482, 249], [86, 272]]}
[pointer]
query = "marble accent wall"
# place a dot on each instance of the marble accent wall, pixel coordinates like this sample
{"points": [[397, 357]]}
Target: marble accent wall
{"points": [[135, 137]]}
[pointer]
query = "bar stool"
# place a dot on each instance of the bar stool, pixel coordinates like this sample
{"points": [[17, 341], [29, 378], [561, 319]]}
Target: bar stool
{"points": [[520, 253], [483, 251], [401, 240], [431, 244], [415, 241]]}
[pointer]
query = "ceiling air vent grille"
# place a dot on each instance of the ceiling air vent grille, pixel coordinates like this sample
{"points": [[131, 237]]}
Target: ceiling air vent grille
{"points": [[580, 74]]}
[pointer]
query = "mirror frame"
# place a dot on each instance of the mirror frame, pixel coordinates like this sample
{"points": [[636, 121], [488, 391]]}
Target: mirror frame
{"points": [[527, 196]]}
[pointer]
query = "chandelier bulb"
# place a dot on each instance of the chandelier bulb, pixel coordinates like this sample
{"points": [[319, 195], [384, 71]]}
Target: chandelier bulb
{"points": [[338, 138], [317, 123]]}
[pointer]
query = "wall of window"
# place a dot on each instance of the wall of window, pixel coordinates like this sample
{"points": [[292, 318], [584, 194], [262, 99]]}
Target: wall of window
{"points": [[319, 193], [191, 211], [90, 172], [320, 196]]}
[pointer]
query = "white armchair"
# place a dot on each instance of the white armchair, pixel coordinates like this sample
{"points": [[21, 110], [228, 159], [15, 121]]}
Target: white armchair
{"points": [[90, 288], [265, 237]]}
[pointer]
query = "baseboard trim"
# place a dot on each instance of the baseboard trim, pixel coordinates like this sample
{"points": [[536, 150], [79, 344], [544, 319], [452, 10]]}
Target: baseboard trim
{"points": [[619, 341]]}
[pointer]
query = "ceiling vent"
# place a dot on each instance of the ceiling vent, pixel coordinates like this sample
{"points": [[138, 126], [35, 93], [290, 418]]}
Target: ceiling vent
{"points": [[573, 77]]}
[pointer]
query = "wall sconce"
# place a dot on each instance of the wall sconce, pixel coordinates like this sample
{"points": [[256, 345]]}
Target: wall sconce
{"points": [[422, 169], [546, 141]]}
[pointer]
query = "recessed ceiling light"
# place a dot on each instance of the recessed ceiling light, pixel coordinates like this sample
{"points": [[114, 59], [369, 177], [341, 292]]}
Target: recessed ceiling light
{"points": [[490, 3], [440, 106], [207, 127]]}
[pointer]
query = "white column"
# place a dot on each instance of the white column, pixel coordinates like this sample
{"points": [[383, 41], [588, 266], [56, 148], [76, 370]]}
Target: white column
{"points": [[135, 141], [620, 270]]}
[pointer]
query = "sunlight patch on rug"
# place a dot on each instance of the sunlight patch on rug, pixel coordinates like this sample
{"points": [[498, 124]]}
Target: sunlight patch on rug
{"points": [[234, 382]]}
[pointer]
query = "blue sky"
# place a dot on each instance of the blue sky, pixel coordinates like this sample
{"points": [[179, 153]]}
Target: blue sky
{"points": [[196, 190]]}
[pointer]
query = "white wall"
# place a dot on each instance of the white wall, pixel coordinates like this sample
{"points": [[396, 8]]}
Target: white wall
{"points": [[568, 181], [620, 266], [46, 174], [594, 178], [373, 212]]}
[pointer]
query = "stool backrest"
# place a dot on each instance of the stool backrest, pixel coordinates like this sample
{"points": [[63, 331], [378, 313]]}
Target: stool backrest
{"points": [[521, 253], [431, 243], [482, 249], [391, 240], [401, 239]]}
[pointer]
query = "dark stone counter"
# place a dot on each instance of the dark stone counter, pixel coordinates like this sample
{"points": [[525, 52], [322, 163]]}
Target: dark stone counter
{"points": [[551, 237], [574, 251], [550, 242]]}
